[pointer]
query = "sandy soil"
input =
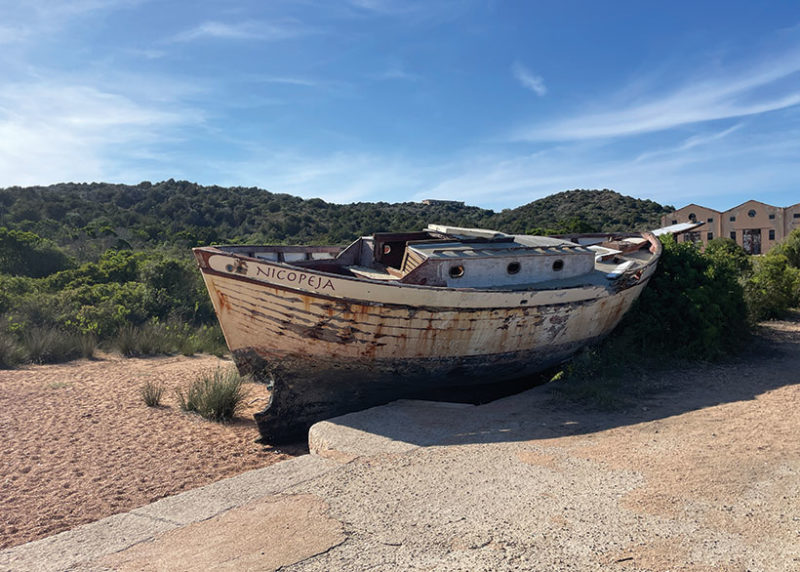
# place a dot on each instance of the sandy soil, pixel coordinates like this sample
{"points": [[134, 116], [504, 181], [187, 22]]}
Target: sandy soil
{"points": [[709, 459], [77, 442]]}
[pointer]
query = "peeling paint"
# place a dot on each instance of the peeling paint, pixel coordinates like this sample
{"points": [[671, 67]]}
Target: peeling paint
{"points": [[325, 351]]}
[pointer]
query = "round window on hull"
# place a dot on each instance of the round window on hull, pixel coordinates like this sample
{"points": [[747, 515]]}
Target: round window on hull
{"points": [[513, 267], [558, 265], [456, 271]]}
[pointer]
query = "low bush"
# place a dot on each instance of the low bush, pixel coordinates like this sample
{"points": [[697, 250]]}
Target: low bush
{"points": [[693, 309], [152, 392], [48, 344], [11, 354], [157, 338], [206, 339], [216, 396], [772, 288], [145, 340]]}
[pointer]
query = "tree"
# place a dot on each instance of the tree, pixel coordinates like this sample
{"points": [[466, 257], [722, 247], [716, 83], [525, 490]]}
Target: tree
{"points": [[27, 254]]}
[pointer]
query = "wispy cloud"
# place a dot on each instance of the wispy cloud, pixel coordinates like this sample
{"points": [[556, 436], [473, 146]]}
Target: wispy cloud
{"points": [[768, 87], [528, 79], [52, 132], [715, 169], [340, 177], [385, 7], [247, 30], [34, 18], [11, 35], [397, 72], [285, 80], [691, 143]]}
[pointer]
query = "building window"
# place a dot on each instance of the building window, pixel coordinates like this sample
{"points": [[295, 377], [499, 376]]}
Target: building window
{"points": [[692, 217], [796, 215], [710, 235], [772, 235], [751, 213], [674, 222], [772, 217], [733, 235], [710, 219], [693, 237], [733, 219]]}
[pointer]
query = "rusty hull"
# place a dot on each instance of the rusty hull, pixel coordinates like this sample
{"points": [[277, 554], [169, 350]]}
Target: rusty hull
{"points": [[327, 344]]}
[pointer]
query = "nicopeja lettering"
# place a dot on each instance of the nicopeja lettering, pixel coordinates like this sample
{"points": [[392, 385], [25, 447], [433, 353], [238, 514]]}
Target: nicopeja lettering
{"points": [[299, 278]]}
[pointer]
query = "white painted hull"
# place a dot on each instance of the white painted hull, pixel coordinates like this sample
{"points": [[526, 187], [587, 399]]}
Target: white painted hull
{"points": [[328, 344]]}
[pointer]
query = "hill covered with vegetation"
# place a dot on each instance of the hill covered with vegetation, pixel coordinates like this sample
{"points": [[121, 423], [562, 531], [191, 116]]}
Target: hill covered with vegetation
{"points": [[88, 219], [583, 211], [89, 264]]}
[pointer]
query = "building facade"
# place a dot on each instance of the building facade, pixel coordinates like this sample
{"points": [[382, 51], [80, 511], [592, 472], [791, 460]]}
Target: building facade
{"points": [[755, 226]]}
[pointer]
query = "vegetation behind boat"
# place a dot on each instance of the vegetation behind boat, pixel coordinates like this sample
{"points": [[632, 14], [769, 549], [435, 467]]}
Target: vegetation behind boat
{"points": [[122, 246]]}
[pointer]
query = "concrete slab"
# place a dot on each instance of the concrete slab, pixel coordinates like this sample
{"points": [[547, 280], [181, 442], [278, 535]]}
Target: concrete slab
{"points": [[72, 549], [211, 500], [397, 427], [65, 550], [266, 534]]}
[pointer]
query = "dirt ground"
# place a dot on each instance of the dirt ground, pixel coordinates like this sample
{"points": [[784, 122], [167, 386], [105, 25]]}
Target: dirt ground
{"points": [[714, 446], [77, 442]]}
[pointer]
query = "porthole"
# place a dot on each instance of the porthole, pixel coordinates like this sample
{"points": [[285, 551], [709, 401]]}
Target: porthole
{"points": [[558, 265], [456, 271], [513, 267], [387, 249]]}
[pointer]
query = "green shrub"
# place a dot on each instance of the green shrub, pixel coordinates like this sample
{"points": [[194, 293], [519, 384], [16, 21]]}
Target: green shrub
{"points": [[790, 248], [11, 354], [152, 392], [27, 254], [216, 396], [772, 288], [148, 339], [174, 336], [48, 344], [693, 307], [206, 339], [87, 345]]}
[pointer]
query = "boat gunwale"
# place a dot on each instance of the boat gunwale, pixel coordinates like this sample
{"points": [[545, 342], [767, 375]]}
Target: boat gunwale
{"points": [[595, 291], [208, 251]]}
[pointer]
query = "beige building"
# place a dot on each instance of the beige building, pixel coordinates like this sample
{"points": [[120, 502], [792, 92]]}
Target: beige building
{"points": [[754, 225]]}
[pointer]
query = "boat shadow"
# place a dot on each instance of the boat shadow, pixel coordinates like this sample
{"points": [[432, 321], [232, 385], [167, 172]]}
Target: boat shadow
{"points": [[772, 361]]}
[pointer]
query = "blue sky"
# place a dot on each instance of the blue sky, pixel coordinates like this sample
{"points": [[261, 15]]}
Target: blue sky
{"points": [[490, 102]]}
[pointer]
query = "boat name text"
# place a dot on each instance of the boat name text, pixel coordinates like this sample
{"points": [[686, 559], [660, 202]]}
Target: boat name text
{"points": [[299, 278]]}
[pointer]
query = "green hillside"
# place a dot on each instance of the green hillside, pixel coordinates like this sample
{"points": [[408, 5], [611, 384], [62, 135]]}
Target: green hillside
{"points": [[88, 219], [583, 211]]}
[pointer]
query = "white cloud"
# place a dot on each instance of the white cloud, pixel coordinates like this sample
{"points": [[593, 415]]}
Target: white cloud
{"points": [[299, 81], [691, 142], [339, 177], [247, 30], [51, 132], [711, 168], [37, 20], [769, 87], [397, 72], [528, 79], [11, 35]]}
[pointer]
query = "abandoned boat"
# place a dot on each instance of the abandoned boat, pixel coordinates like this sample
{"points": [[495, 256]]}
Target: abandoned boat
{"points": [[332, 330]]}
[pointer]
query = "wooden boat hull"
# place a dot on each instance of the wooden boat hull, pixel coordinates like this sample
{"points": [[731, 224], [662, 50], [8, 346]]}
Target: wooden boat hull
{"points": [[328, 344]]}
